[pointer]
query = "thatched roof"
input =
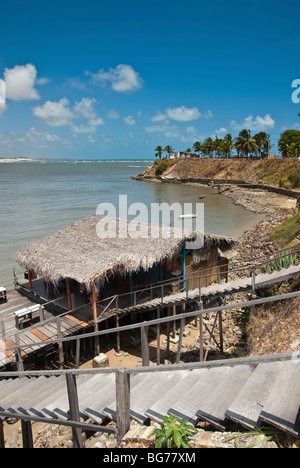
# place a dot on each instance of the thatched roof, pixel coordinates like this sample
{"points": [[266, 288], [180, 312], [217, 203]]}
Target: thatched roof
{"points": [[83, 253]]}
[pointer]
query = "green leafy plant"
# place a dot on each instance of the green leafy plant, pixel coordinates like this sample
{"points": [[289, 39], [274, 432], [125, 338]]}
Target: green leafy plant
{"points": [[269, 435], [173, 433]]}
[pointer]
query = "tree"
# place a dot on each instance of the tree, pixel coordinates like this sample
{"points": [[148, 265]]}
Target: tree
{"points": [[197, 147], [208, 147], [168, 149], [263, 142], [245, 143], [228, 145], [289, 144], [159, 151]]}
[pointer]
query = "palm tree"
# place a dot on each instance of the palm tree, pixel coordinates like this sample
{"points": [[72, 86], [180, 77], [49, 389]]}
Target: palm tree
{"points": [[228, 145], [245, 143], [289, 143], [208, 147], [197, 147], [159, 151], [168, 149], [218, 146], [262, 140]]}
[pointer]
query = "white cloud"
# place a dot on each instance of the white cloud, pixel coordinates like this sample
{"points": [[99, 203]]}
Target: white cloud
{"points": [[83, 129], [35, 135], [221, 130], [122, 79], [20, 82], [158, 117], [85, 108], [191, 129], [113, 114], [129, 120], [96, 122], [59, 114], [257, 124], [55, 114], [183, 114], [208, 115]]}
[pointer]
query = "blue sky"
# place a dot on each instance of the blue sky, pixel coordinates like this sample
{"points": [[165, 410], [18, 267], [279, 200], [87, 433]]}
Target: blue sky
{"points": [[96, 79]]}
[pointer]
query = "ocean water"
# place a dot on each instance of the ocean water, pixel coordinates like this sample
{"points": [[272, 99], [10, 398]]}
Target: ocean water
{"points": [[40, 197]]}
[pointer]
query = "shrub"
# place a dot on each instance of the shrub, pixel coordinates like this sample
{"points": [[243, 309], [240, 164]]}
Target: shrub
{"points": [[161, 167]]}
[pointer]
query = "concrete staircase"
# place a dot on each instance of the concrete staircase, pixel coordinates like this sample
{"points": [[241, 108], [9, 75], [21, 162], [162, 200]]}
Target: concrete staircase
{"points": [[247, 393]]}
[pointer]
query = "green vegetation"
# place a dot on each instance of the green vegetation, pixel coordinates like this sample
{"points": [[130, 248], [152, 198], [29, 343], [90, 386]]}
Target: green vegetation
{"points": [[289, 144], [161, 167], [287, 231], [245, 145], [174, 432]]}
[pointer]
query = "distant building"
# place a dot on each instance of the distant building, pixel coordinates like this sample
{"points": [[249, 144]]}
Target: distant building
{"points": [[183, 154]]}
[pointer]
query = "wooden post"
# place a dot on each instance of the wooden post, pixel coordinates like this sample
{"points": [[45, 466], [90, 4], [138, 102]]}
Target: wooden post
{"points": [[221, 332], [2, 328], [69, 293], [158, 337], [74, 409], [30, 279], [182, 325], [77, 353], [122, 403], [2, 440], [27, 434], [145, 346], [201, 357], [94, 304], [60, 344], [118, 334]]}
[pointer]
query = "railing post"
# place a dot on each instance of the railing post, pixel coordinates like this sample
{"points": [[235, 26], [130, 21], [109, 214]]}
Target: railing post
{"points": [[145, 346], [253, 281], [74, 409], [2, 439], [158, 337], [201, 353], [60, 344], [182, 325], [27, 434], [122, 403], [77, 353]]}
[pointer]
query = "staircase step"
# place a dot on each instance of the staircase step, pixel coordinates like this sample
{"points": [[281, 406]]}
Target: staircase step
{"points": [[247, 406], [213, 408], [188, 404], [283, 404], [160, 385], [181, 397]]}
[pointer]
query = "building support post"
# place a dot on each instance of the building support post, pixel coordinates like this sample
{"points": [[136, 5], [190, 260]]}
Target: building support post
{"points": [[30, 279], [69, 293], [95, 317]]}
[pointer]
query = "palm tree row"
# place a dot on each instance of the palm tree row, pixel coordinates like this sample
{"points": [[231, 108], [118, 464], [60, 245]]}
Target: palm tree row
{"points": [[244, 144]]}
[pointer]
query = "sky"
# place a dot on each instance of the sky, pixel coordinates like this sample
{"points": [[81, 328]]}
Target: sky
{"points": [[112, 80]]}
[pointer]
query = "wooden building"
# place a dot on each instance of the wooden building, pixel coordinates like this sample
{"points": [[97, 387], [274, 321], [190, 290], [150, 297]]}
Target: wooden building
{"points": [[98, 257]]}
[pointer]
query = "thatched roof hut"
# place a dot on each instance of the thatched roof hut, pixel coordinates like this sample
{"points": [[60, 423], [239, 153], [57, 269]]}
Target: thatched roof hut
{"points": [[86, 253]]}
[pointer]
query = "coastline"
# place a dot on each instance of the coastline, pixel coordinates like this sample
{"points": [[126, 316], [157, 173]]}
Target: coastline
{"points": [[8, 160], [275, 206]]}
